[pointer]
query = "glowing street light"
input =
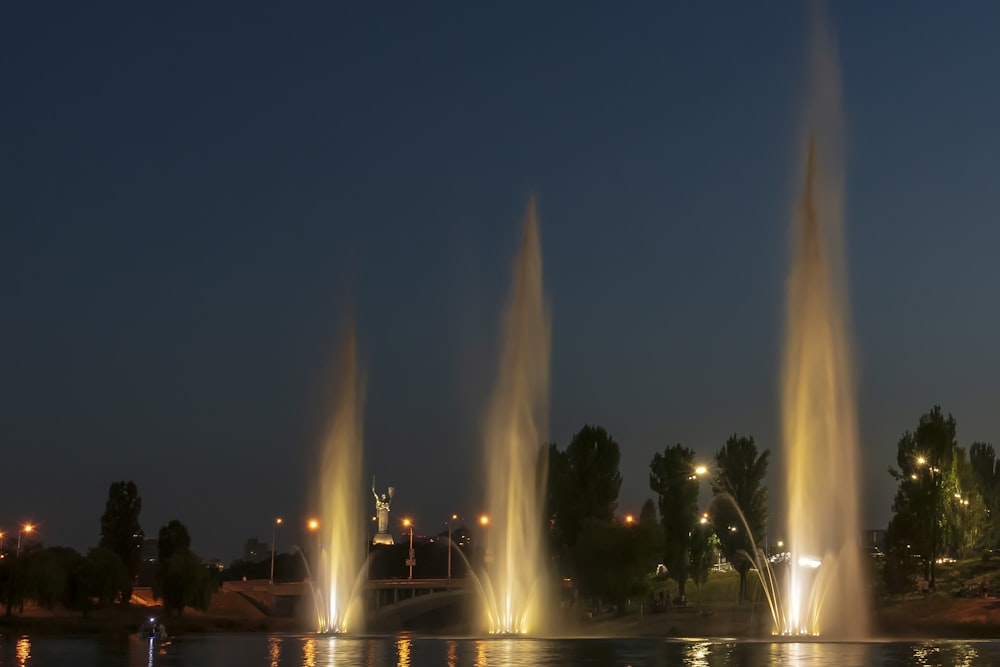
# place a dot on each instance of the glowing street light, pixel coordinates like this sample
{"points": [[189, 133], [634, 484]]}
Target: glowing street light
{"points": [[484, 521], [277, 522], [412, 560], [449, 523], [313, 526], [701, 470], [26, 529], [629, 519]]}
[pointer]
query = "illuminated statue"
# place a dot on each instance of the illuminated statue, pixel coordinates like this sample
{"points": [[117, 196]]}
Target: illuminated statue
{"points": [[382, 512]]}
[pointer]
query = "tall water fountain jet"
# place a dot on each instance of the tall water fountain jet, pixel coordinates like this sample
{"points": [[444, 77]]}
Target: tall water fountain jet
{"points": [[516, 429], [826, 592], [342, 535]]}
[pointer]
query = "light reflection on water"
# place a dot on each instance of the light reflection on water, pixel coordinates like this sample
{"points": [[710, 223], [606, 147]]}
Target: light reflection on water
{"points": [[309, 653], [403, 652], [414, 651], [23, 651], [817, 653], [931, 654], [696, 655]]}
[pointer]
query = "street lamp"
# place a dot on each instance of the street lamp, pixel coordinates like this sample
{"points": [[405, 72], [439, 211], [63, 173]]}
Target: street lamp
{"points": [[629, 519], [936, 511], [412, 560], [25, 529], [449, 524], [313, 526], [274, 526], [484, 521]]}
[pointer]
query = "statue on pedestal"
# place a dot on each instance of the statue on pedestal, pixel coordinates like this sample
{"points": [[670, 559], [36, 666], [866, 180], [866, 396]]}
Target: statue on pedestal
{"points": [[382, 512]]}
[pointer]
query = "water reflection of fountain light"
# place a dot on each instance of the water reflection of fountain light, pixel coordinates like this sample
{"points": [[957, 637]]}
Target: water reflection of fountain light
{"points": [[515, 432], [309, 653], [403, 646], [274, 650], [696, 654], [819, 420]]}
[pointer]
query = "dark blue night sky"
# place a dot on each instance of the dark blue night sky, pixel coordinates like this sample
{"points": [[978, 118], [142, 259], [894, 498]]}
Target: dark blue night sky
{"points": [[194, 199]]}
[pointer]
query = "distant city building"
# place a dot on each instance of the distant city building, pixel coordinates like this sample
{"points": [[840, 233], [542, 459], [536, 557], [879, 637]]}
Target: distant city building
{"points": [[255, 551], [150, 552], [873, 540]]}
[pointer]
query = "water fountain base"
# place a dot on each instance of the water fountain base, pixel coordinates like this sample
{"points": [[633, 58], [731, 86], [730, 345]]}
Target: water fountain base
{"points": [[383, 538]]}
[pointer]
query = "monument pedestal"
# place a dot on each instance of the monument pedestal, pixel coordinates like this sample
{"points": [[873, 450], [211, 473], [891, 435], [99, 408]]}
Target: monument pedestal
{"points": [[382, 538]]}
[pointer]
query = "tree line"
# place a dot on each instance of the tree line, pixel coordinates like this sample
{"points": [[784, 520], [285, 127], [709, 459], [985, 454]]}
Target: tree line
{"points": [[107, 573], [610, 559], [947, 502]]}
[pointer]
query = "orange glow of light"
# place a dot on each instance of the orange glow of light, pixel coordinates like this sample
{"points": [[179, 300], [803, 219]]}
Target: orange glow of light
{"points": [[28, 528], [629, 519], [484, 520], [313, 524], [407, 523], [278, 521]]}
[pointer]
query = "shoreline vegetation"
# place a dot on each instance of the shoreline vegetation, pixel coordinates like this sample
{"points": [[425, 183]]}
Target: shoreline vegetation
{"points": [[931, 616]]}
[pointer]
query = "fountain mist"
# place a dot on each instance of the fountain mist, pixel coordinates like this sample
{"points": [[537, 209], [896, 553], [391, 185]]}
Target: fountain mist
{"points": [[826, 591], [342, 527], [516, 429]]}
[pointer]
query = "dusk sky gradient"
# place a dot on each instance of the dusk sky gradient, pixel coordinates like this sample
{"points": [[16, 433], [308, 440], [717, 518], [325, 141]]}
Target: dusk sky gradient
{"points": [[195, 199]]}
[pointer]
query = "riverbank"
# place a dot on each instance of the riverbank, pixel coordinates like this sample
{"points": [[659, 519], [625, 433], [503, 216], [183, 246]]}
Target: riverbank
{"points": [[911, 618]]}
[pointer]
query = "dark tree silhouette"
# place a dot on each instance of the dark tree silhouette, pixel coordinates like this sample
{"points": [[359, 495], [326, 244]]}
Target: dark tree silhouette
{"points": [[99, 579], [672, 477], [583, 484], [173, 538], [121, 532], [738, 485]]}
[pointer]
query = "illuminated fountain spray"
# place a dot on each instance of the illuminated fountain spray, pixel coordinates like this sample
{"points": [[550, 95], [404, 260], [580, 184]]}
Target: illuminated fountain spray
{"points": [[341, 525], [826, 591], [516, 429]]}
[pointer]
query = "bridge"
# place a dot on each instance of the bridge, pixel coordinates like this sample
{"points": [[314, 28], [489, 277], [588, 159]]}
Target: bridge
{"points": [[388, 603]]}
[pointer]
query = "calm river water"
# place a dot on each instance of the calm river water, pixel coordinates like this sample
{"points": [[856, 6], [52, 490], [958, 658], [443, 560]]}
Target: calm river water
{"points": [[406, 651]]}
